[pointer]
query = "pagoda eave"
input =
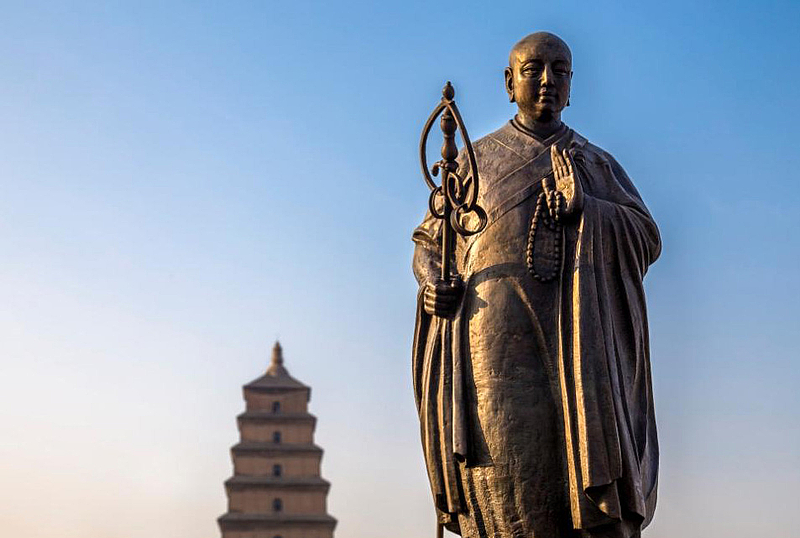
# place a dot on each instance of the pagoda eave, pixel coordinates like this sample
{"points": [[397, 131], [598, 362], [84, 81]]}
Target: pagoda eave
{"points": [[274, 448], [233, 521], [276, 418], [276, 389], [238, 483]]}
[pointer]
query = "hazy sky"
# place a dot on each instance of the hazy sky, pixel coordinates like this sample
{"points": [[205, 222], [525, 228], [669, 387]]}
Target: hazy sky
{"points": [[183, 182]]}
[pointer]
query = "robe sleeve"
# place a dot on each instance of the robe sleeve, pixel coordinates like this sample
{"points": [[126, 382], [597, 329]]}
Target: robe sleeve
{"points": [[610, 413], [427, 238], [432, 373], [617, 198]]}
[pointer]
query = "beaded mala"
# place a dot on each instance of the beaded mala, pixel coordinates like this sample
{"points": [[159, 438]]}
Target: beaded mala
{"points": [[541, 218]]}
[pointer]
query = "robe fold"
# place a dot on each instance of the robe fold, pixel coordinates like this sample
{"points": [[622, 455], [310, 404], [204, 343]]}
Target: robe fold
{"points": [[535, 400]]}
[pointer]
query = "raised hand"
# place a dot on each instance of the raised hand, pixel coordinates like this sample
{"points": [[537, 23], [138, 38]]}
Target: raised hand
{"points": [[563, 192]]}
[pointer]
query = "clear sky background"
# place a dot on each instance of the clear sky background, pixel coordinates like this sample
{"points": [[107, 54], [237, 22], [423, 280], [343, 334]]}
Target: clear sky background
{"points": [[183, 182]]}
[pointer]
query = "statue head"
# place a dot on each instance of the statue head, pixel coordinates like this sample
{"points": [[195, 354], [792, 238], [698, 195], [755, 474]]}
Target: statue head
{"points": [[538, 77]]}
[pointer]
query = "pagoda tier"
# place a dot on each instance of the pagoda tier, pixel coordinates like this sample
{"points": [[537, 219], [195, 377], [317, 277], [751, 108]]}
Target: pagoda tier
{"points": [[276, 490]]}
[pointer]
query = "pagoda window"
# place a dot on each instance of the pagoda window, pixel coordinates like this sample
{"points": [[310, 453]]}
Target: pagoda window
{"points": [[276, 407], [277, 470], [277, 505], [276, 437]]}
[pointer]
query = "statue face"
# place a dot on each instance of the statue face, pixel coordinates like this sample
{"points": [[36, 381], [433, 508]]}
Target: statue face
{"points": [[539, 75]]}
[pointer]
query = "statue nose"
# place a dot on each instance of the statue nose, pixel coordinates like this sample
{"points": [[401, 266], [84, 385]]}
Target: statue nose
{"points": [[547, 75]]}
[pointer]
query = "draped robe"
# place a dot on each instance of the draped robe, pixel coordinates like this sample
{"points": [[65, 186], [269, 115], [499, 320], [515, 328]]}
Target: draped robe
{"points": [[536, 413]]}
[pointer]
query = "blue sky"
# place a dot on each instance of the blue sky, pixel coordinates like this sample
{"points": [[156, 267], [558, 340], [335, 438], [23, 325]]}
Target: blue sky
{"points": [[184, 182]]}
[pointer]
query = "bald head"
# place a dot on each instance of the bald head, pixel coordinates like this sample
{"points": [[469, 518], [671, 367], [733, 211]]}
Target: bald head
{"points": [[538, 79], [539, 41]]}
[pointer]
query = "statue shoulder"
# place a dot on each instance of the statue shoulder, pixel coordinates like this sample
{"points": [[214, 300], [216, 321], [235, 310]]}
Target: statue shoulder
{"points": [[602, 163], [503, 144], [496, 151], [495, 138], [506, 134], [594, 153]]}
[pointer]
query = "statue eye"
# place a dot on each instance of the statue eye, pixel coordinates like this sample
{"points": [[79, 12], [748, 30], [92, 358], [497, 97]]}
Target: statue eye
{"points": [[560, 69]]}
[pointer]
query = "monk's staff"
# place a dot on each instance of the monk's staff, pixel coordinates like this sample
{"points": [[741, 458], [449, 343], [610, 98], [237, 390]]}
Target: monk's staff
{"points": [[457, 195], [452, 201]]}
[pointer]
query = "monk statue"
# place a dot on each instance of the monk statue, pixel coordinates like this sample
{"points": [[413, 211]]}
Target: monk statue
{"points": [[537, 415]]}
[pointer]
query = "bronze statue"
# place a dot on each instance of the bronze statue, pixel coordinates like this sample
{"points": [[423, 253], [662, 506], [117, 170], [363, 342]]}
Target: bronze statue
{"points": [[531, 361]]}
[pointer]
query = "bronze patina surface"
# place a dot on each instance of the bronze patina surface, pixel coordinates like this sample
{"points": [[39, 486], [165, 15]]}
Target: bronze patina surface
{"points": [[531, 367]]}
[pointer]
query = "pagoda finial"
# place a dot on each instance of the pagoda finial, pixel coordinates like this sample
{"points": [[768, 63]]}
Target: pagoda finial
{"points": [[276, 367], [277, 353]]}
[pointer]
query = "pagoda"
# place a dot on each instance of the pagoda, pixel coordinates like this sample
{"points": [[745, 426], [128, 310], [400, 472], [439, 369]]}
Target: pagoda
{"points": [[276, 490]]}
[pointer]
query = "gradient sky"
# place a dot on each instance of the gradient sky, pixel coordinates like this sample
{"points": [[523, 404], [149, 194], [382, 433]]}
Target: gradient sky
{"points": [[183, 182]]}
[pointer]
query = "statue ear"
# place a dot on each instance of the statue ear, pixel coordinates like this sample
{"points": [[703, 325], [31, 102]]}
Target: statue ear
{"points": [[509, 75]]}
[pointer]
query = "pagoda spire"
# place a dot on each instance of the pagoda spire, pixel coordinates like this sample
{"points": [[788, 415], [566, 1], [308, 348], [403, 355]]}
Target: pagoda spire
{"points": [[276, 368]]}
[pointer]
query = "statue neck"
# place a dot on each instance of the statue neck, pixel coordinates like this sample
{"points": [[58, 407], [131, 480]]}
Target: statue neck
{"points": [[542, 129]]}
